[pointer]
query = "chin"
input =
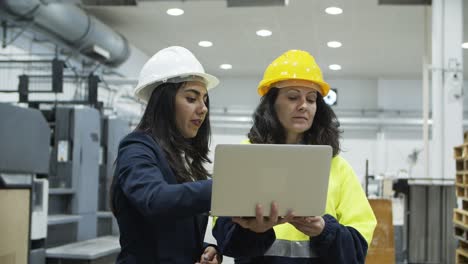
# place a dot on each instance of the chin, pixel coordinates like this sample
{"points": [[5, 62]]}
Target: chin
{"points": [[300, 129], [193, 134], [189, 135]]}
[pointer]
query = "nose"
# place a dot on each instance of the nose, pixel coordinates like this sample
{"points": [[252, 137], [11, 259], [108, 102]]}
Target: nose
{"points": [[303, 104], [202, 109]]}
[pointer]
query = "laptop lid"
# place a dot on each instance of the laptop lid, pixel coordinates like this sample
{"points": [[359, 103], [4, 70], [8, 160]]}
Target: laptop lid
{"points": [[295, 176]]}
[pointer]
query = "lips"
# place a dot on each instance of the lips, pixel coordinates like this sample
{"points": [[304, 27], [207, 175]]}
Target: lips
{"points": [[300, 118], [197, 122]]}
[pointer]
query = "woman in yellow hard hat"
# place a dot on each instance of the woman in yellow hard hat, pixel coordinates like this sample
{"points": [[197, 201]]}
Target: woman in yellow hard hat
{"points": [[292, 111], [160, 192]]}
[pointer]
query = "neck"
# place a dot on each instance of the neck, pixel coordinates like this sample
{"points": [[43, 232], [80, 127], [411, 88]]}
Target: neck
{"points": [[293, 138]]}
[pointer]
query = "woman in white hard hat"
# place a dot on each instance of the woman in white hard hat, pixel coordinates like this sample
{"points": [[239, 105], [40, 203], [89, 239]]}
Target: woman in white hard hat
{"points": [[292, 111], [161, 192]]}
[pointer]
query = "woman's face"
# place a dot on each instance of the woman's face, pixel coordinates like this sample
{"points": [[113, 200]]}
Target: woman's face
{"points": [[295, 107], [190, 108]]}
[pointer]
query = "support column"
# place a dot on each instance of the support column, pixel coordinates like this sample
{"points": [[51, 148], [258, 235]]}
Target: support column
{"points": [[447, 77]]}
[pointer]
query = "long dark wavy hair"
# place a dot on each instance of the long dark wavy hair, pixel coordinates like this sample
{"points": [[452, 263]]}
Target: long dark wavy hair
{"points": [[185, 156], [267, 129]]}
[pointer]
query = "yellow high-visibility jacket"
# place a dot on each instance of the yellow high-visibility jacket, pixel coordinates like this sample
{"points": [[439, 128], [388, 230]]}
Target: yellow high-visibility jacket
{"points": [[349, 225]]}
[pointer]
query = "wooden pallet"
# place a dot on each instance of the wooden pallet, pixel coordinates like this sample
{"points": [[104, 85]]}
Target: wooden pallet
{"points": [[461, 231], [462, 178], [463, 245], [460, 152], [461, 256], [461, 190], [461, 165], [464, 204], [460, 217]]}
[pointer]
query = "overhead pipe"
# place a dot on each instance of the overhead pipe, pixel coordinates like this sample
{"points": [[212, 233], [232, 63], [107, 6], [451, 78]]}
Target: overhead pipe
{"points": [[74, 27], [343, 120], [366, 123]]}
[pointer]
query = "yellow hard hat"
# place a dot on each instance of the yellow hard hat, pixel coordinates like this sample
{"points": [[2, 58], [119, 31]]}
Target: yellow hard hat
{"points": [[293, 65]]}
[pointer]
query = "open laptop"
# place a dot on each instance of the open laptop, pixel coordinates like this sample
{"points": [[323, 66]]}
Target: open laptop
{"points": [[295, 176]]}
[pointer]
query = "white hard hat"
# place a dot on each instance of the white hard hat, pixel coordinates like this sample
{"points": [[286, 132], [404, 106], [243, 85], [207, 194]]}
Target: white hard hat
{"points": [[172, 64]]}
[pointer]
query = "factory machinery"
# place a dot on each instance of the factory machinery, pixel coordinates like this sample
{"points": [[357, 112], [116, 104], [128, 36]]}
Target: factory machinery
{"points": [[56, 164]]}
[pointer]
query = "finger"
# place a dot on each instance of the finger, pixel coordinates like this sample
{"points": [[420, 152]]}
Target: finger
{"points": [[311, 219], [259, 214], [314, 221], [297, 224], [209, 253], [301, 220], [214, 261], [281, 221], [289, 216], [314, 224], [273, 212], [300, 227], [310, 228], [240, 221]]}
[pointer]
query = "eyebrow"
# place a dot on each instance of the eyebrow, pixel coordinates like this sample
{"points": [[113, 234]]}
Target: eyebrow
{"points": [[195, 92], [292, 90], [297, 90]]}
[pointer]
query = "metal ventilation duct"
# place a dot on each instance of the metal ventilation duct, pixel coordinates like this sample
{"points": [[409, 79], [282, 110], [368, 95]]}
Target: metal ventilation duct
{"points": [[250, 3], [110, 2], [75, 27], [405, 2]]}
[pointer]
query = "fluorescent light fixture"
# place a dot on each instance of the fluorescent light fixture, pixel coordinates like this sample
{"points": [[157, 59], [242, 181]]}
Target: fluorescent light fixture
{"points": [[254, 3], [333, 10], [334, 67], [205, 43], [334, 44], [175, 12], [225, 66], [264, 33], [465, 45], [101, 51]]}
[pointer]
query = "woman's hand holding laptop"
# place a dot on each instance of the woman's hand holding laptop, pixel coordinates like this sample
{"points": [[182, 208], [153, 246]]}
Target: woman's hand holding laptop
{"points": [[260, 224], [311, 225]]}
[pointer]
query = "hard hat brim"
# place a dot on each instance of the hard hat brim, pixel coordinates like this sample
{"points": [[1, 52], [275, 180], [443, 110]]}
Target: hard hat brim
{"points": [[263, 88], [144, 91]]}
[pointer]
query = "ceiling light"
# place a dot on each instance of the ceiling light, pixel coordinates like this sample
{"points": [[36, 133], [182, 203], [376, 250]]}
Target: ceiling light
{"points": [[465, 45], [334, 44], [225, 66], [332, 10], [205, 43], [264, 33], [334, 67], [175, 12]]}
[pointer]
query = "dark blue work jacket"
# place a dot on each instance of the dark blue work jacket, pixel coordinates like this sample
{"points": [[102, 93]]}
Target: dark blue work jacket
{"points": [[160, 221]]}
